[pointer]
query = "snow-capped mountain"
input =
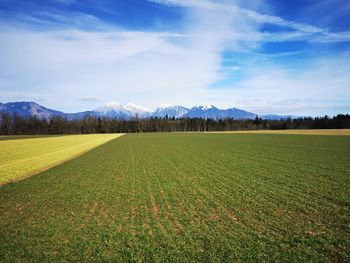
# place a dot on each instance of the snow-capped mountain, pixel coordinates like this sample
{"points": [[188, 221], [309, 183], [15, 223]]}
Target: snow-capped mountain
{"points": [[205, 112], [29, 109], [116, 110], [138, 110], [169, 110], [129, 111], [112, 110], [206, 107]]}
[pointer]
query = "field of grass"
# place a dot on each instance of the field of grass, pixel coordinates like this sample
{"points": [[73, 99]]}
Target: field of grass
{"points": [[296, 131], [22, 156], [186, 198]]}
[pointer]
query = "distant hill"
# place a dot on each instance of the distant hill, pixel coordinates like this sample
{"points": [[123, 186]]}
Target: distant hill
{"points": [[29, 109], [210, 111], [118, 111]]}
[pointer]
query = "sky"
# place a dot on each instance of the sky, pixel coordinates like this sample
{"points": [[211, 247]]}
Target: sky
{"points": [[264, 56]]}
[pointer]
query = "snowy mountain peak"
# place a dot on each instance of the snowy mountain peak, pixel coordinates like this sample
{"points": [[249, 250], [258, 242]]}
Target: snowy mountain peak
{"points": [[129, 111], [113, 105], [169, 110], [116, 110], [165, 106], [205, 107], [111, 109], [136, 108], [208, 107]]}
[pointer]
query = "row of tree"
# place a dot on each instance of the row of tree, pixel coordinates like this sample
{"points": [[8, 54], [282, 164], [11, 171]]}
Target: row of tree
{"points": [[15, 125]]}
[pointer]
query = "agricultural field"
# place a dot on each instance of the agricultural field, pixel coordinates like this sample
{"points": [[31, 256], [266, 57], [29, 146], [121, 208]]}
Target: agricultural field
{"points": [[186, 197], [345, 132], [21, 156]]}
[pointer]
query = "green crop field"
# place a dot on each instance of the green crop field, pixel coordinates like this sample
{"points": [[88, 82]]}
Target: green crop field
{"points": [[344, 132], [22, 156], [186, 198]]}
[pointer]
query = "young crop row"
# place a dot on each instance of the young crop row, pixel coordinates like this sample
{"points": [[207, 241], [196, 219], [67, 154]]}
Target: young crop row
{"points": [[186, 198]]}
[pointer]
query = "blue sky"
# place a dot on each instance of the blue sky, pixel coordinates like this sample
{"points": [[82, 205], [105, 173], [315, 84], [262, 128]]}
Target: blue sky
{"points": [[287, 57]]}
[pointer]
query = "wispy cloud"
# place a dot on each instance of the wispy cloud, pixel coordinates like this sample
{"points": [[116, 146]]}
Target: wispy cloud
{"points": [[333, 37], [275, 20], [181, 67], [302, 31], [269, 87], [89, 99], [55, 20], [119, 65]]}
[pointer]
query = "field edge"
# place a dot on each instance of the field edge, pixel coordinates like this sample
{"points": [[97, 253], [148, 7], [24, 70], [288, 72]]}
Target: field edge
{"points": [[48, 167]]}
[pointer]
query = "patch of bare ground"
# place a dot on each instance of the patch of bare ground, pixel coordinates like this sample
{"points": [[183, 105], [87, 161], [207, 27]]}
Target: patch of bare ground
{"points": [[232, 216], [156, 210], [93, 209]]}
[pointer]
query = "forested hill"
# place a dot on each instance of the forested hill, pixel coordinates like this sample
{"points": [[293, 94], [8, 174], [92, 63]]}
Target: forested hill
{"points": [[16, 125]]}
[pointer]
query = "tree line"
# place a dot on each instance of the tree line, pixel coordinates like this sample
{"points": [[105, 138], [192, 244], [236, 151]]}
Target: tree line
{"points": [[16, 125]]}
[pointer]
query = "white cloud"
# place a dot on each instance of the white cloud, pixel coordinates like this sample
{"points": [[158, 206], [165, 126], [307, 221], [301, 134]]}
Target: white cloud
{"points": [[302, 31], [59, 21], [322, 86], [233, 8], [150, 68], [275, 20], [122, 65], [112, 65], [333, 37]]}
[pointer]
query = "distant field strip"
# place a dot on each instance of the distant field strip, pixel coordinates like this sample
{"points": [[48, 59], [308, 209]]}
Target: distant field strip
{"points": [[24, 156], [17, 137], [302, 132], [186, 197]]}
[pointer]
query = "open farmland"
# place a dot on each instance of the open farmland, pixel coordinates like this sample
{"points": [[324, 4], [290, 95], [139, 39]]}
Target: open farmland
{"points": [[186, 198], [22, 156], [344, 132]]}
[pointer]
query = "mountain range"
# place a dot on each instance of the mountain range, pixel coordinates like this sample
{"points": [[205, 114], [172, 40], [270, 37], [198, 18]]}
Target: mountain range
{"points": [[129, 111]]}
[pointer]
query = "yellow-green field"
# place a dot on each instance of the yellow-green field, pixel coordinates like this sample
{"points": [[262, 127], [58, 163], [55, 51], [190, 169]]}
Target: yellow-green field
{"points": [[304, 132], [21, 157], [186, 197]]}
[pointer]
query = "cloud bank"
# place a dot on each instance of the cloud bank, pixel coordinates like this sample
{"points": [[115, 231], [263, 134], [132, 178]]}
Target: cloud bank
{"points": [[183, 67]]}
